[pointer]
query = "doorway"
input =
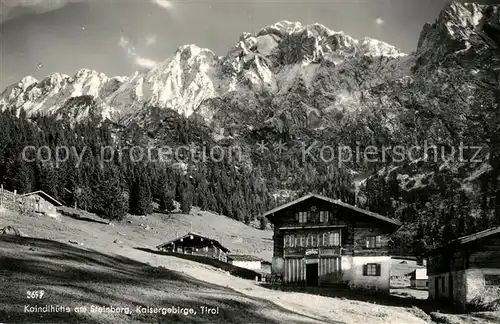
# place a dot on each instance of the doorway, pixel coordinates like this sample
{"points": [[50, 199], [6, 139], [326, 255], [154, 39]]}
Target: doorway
{"points": [[312, 274]]}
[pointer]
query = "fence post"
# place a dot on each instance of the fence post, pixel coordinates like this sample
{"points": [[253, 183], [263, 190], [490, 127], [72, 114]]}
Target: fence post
{"points": [[15, 199], [1, 195]]}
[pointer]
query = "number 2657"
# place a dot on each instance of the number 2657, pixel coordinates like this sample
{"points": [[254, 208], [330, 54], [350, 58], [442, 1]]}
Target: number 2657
{"points": [[37, 294]]}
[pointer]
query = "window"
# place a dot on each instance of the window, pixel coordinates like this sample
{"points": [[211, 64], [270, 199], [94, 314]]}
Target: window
{"points": [[292, 240], [314, 239], [371, 269], [492, 280], [442, 284], [373, 242], [324, 216], [286, 242], [205, 249], [303, 217], [302, 240], [333, 239]]}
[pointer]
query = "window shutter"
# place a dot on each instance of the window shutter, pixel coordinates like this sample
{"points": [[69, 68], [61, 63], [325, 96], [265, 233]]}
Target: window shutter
{"points": [[377, 273], [365, 269]]}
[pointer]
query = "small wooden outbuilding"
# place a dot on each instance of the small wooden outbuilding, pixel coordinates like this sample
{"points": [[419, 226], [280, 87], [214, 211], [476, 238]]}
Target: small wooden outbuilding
{"points": [[466, 270], [419, 279], [196, 244], [40, 202], [245, 261]]}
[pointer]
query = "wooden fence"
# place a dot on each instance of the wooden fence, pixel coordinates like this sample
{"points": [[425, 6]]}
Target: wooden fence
{"points": [[9, 199]]}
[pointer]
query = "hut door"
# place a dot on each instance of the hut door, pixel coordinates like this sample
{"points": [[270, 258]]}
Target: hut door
{"points": [[312, 274]]}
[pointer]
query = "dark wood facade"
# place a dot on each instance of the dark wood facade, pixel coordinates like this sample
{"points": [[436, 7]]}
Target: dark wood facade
{"points": [[462, 254], [196, 244], [353, 229], [466, 269], [316, 229]]}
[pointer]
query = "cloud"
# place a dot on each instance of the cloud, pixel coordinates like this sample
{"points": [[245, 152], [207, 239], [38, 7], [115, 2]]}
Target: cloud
{"points": [[123, 42], [145, 62], [150, 40], [131, 52], [379, 21], [10, 9], [167, 5]]}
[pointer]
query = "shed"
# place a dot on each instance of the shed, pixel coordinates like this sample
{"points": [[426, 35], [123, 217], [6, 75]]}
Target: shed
{"points": [[245, 261], [41, 202], [196, 244], [466, 270], [419, 279]]}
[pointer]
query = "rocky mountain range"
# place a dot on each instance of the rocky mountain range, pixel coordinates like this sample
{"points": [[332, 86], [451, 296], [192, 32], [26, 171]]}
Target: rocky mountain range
{"points": [[304, 83]]}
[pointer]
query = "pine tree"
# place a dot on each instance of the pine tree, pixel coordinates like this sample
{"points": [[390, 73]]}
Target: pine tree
{"points": [[110, 200], [140, 198], [166, 202]]}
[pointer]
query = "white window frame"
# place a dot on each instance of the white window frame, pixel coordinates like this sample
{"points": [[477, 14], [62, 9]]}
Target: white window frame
{"points": [[334, 239], [375, 239], [324, 216], [371, 269], [303, 240], [314, 240], [303, 216]]}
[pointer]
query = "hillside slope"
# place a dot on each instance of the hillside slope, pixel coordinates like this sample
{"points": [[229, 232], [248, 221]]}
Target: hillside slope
{"points": [[291, 86], [150, 231], [100, 272]]}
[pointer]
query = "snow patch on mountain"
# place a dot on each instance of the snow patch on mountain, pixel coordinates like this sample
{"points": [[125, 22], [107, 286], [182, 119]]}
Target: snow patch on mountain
{"points": [[284, 58]]}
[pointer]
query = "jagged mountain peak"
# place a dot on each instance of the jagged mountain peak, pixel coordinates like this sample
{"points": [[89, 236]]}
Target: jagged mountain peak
{"points": [[85, 73], [280, 61], [463, 11], [27, 81], [192, 50], [460, 27], [317, 38], [281, 28]]}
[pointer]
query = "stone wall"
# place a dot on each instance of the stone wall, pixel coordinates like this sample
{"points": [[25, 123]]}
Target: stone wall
{"points": [[479, 293]]}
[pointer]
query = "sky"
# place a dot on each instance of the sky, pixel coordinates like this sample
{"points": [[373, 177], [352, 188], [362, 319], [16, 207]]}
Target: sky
{"points": [[119, 37]]}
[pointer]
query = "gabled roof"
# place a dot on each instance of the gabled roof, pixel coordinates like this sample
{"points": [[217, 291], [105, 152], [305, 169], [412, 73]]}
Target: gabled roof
{"points": [[335, 202], [242, 257], [45, 195], [467, 239], [214, 242]]}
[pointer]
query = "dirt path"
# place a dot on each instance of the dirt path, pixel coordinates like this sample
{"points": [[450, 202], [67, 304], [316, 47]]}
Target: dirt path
{"points": [[73, 278], [331, 310], [102, 272]]}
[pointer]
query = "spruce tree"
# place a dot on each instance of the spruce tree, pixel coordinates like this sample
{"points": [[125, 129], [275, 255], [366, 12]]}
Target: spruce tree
{"points": [[140, 199]]}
